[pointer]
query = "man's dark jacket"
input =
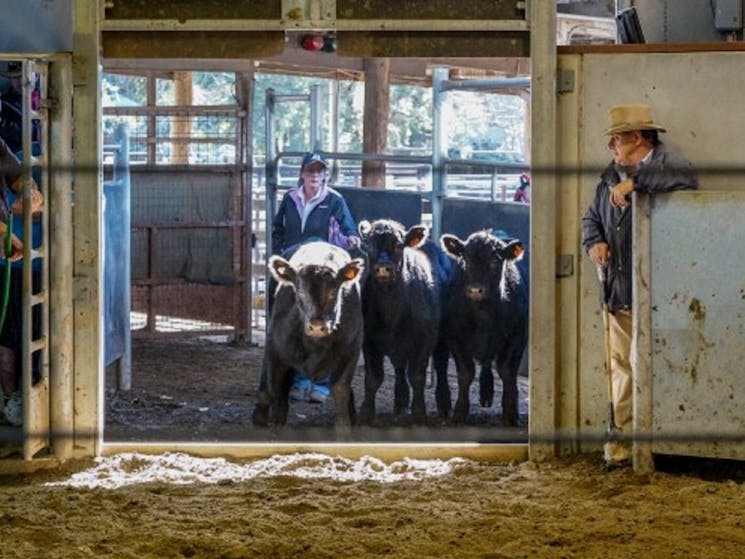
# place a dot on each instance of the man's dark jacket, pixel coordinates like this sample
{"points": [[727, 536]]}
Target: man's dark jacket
{"points": [[665, 171]]}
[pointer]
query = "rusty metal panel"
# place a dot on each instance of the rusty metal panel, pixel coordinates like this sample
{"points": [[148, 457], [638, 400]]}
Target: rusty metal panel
{"points": [[429, 9], [189, 209], [507, 44], [698, 324], [187, 268]]}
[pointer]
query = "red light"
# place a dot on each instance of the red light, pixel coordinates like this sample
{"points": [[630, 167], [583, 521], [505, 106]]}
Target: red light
{"points": [[312, 42]]}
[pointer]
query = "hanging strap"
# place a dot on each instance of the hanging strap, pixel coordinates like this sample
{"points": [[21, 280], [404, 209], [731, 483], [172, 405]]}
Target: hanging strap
{"points": [[6, 271]]}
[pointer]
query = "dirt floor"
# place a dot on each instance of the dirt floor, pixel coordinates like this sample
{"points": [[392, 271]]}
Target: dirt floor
{"points": [[200, 390], [197, 389], [563, 508]]}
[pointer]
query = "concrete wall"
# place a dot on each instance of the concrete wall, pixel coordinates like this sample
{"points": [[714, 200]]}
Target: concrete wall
{"points": [[696, 95]]}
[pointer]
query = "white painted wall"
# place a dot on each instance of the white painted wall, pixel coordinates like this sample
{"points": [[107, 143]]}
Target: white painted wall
{"points": [[697, 97]]}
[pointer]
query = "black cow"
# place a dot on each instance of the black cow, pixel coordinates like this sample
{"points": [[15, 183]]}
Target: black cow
{"points": [[487, 317], [315, 327], [401, 301]]}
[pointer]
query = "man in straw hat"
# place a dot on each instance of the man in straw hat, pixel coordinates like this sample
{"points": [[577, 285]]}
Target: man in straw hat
{"points": [[643, 163]]}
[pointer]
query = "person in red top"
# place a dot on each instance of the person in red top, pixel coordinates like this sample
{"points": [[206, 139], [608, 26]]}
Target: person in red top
{"points": [[522, 193]]}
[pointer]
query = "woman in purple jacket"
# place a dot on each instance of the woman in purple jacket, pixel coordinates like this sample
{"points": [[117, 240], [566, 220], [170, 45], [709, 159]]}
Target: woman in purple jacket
{"points": [[312, 212]]}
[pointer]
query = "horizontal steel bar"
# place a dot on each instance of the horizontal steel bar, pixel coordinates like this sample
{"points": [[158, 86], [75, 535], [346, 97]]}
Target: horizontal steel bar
{"points": [[166, 281], [361, 157], [420, 159], [494, 83], [290, 98], [182, 110], [38, 344], [188, 225], [520, 167]]}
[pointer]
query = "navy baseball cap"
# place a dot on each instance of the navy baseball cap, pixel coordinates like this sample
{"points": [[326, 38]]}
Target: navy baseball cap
{"points": [[313, 157]]}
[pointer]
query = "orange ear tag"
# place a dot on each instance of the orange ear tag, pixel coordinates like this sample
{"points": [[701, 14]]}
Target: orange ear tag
{"points": [[350, 273], [518, 251]]}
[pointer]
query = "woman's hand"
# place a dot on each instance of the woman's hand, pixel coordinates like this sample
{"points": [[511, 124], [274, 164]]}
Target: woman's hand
{"points": [[353, 241], [37, 200], [16, 252]]}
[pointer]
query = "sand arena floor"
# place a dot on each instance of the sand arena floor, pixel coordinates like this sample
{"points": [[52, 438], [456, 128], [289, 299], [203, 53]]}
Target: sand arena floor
{"points": [[177, 506], [564, 508]]}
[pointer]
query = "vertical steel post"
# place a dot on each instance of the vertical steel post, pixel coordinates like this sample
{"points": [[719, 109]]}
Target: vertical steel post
{"points": [[316, 122], [439, 152], [334, 127], [244, 158], [641, 333], [271, 179], [121, 177]]}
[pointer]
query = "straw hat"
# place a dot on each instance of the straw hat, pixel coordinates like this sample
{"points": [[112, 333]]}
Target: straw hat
{"points": [[625, 118]]}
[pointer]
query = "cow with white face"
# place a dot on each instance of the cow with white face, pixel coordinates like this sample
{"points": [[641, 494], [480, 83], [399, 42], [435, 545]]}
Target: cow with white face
{"points": [[315, 327]]}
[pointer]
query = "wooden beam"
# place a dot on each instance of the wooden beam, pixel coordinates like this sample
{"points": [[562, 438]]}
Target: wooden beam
{"points": [[386, 452], [61, 311], [87, 242], [191, 44], [294, 60], [375, 120], [734, 46], [543, 237], [433, 43]]}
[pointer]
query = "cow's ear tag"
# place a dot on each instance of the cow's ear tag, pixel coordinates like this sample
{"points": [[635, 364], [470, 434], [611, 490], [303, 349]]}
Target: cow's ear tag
{"points": [[350, 272], [414, 240], [415, 236], [517, 251]]}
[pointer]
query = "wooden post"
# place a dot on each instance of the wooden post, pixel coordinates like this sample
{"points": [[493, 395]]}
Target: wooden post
{"points": [[61, 316], [242, 238], [182, 124], [543, 236], [375, 120], [86, 233]]}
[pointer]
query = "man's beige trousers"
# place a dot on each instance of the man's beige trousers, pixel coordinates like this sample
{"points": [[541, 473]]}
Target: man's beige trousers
{"points": [[621, 381]]}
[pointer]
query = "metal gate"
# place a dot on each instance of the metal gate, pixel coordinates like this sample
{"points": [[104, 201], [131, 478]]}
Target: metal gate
{"points": [[32, 228], [190, 221]]}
